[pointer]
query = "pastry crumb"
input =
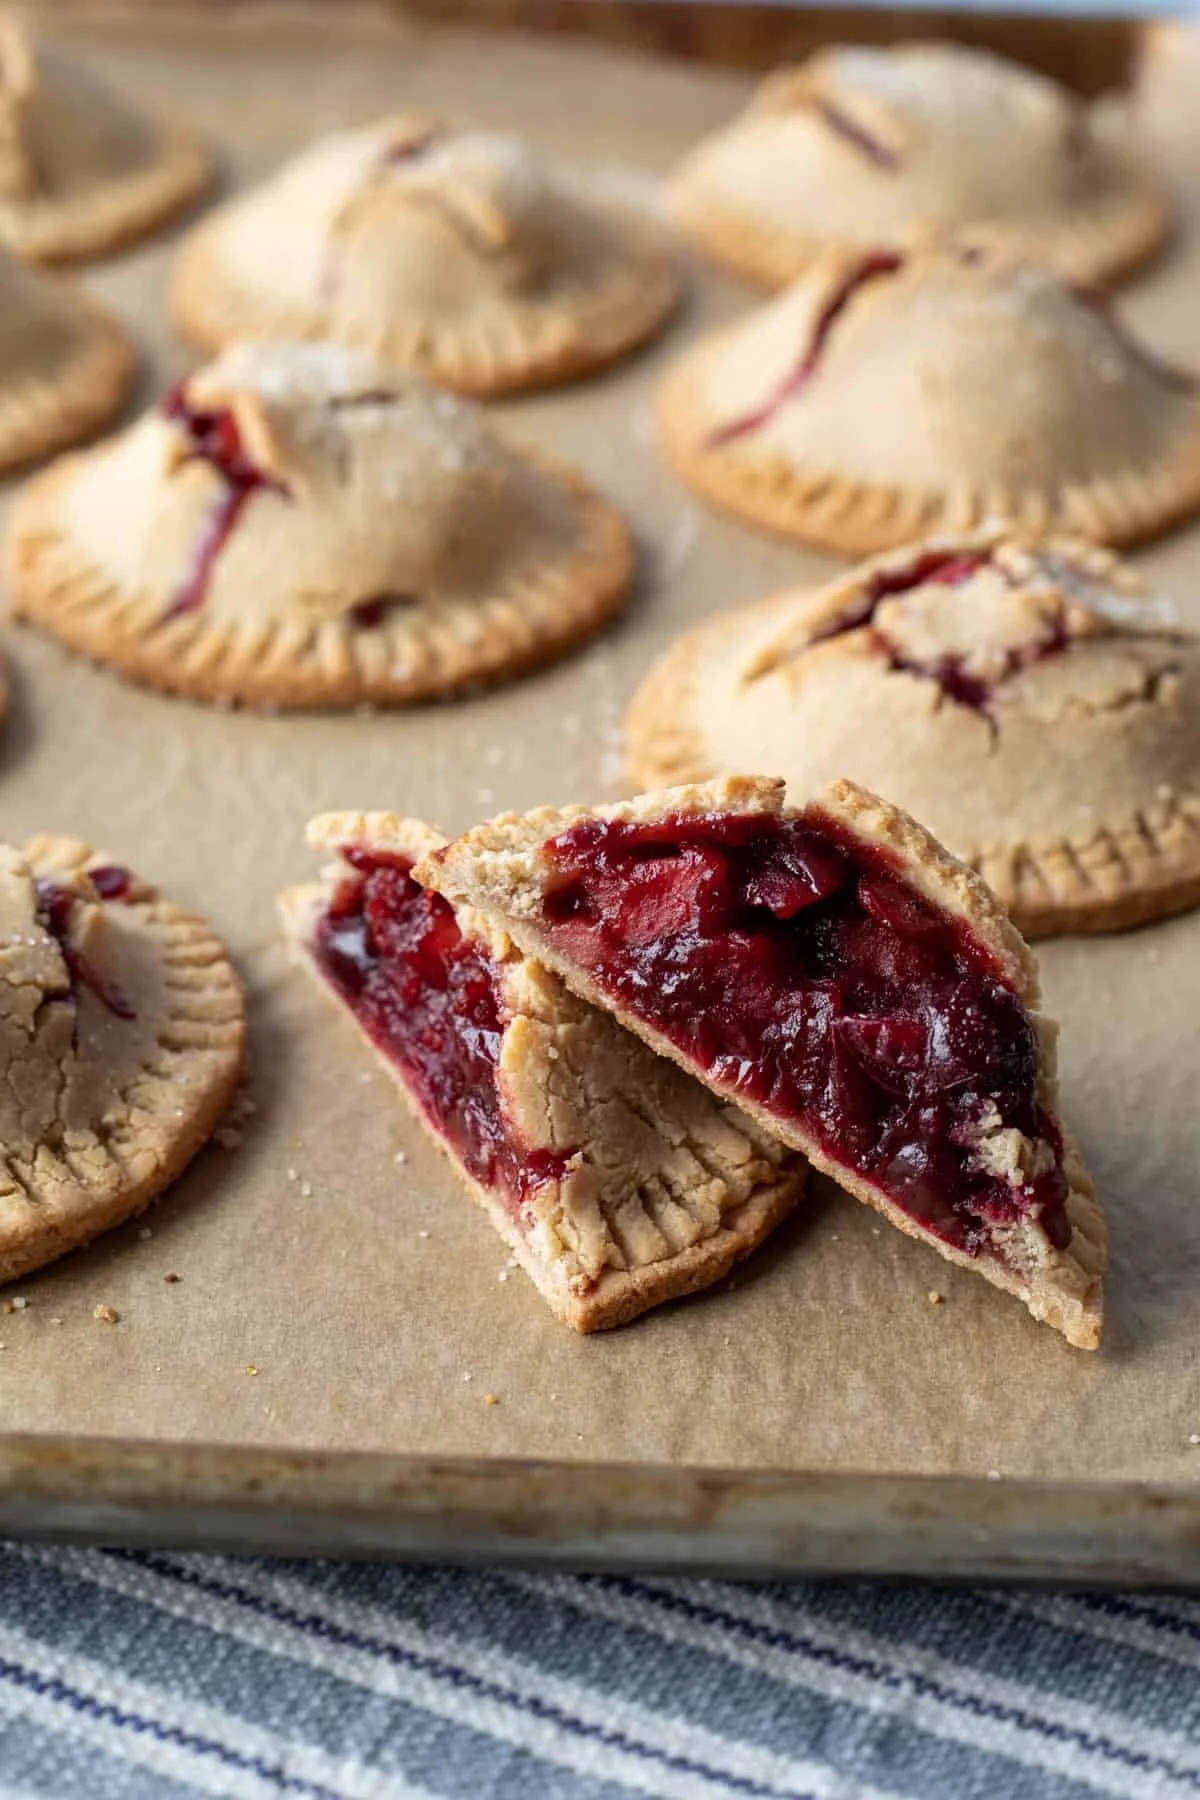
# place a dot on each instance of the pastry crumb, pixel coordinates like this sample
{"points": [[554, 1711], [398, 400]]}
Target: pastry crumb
{"points": [[935, 1299], [172, 1279], [400, 1157], [56, 1321], [252, 1368], [503, 1275], [306, 1190], [467, 1375], [108, 1315], [1194, 1437], [422, 1234], [491, 1400], [293, 1175], [17, 1304]]}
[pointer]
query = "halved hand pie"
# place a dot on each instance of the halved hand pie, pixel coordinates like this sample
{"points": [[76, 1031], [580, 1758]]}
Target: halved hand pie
{"points": [[65, 363], [454, 252], [121, 1028], [1024, 700], [82, 171], [839, 976], [857, 146], [617, 1181], [891, 393], [297, 526]]}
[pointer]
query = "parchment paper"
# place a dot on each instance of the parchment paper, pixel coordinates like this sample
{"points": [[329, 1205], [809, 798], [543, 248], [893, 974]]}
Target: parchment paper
{"points": [[367, 1294]]}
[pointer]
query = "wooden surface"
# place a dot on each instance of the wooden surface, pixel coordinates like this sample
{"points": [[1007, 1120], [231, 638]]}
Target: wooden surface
{"points": [[1089, 54]]}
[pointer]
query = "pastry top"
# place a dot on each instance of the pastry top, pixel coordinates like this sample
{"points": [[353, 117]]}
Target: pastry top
{"points": [[306, 482], [941, 367], [415, 218], [62, 132], [859, 145], [649, 1165], [1006, 691], [121, 1027]]}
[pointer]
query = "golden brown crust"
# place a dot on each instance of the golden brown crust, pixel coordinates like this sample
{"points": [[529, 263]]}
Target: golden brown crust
{"points": [[499, 558], [563, 310], [132, 1100], [1128, 469], [498, 868], [666, 1188], [1076, 794]]}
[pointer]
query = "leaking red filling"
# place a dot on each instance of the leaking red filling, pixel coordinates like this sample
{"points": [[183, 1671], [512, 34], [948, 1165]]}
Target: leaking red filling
{"points": [[429, 999], [55, 906], [863, 140], [872, 267], [794, 967], [216, 440], [958, 683], [368, 615]]}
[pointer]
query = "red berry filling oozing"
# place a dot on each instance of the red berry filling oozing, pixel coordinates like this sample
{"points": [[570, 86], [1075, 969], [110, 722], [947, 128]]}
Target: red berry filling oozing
{"points": [[842, 125], [943, 568], [796, 968], [429, 999], [216, 440], [55, 905], [872, 267]]}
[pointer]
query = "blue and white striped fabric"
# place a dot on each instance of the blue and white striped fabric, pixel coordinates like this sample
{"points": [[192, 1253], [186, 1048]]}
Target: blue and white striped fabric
{"points": [[149, 1676]]}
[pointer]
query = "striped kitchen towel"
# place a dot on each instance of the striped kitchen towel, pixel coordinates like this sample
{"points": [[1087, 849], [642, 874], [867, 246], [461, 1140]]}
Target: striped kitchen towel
{"points": [[153, 1676]]}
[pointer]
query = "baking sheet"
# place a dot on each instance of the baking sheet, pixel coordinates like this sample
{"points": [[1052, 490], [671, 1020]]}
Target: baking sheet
{"points": [[333, 1298]]}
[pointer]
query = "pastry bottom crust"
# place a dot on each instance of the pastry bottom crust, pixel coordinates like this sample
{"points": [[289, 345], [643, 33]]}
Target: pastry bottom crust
{"points": [[41, 414], [618, 1295], [530, 344], [834, 513], [1128, 873], [415, 655], [69, 228], [71, 1195], [1100, 248]]}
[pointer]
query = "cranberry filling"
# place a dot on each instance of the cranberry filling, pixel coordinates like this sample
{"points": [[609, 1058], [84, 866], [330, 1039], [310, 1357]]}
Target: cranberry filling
{"points": [[215, 439], [368, 615], [863, 140], [410, 149], [957, 682], [871, 268], [111, 882], [55, 904], [966, 689], [429, 998], [795, 967]]}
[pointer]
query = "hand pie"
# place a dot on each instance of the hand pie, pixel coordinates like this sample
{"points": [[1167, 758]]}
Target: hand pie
{"points": [[454, 252], [888, 394], [1025, 700], [122, 1026], [82, 171], [841, 978], [858, 146], [295, 525]]}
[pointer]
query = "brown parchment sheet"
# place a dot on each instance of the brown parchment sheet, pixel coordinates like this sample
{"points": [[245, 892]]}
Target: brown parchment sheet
{"points": [[332, 1296]]}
